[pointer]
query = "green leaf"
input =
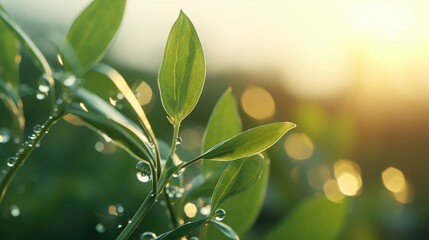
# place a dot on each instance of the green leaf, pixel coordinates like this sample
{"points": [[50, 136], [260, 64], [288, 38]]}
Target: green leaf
{"points": [[182, 73], [225, 229], [181, 231], [239, 176], [224, 123], [244, 208], [34, 52], [248, 143], [106, 119], [117, 84], [91, 34], [9, 76], [316, 218]]}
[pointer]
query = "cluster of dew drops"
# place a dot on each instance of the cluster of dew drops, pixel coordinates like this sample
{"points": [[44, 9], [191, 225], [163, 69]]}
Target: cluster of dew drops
{"points": [[30, 142]]}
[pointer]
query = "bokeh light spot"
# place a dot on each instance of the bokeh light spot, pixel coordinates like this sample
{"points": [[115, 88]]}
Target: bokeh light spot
{"points": [[258, 103], [348, 176], [144, 93], [190, 210], [393, 179], [299, 146], [332, 191]]}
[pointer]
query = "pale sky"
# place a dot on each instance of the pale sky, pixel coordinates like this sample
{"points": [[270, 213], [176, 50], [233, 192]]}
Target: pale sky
{"points": [[313, 45]]}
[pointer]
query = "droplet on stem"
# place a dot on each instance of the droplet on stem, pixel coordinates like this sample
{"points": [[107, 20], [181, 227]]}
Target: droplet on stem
{"points": [[11, 161], [147, 236], [179, 141], [143, 171], [219, 214]]}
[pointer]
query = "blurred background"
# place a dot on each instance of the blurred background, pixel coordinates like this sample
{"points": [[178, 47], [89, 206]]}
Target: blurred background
{"points": [[353, 75]]}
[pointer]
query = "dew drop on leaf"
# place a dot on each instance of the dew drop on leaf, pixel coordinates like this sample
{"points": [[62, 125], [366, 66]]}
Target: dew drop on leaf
{"points": [[37, 129], [219, 214], [100, 228], [40, 95], [147, 236], [179, 140], [119, 225], [143, 172], [177, 174], [15, 211], [11, 161]]}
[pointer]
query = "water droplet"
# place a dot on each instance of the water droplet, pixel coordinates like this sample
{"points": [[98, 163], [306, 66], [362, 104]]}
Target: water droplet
{"points": [[40, 96], [11, 161], [37, 145], [32, 136], [4, 135], [119, 225], [179, 140], [177, 174], [193, 238], [100, 228], [130, 221], [205, 210], [37, 129], [70, 81], [15, 211], [219, 214], [43, 88], [143, 172], [151, 144], [147, 236]]}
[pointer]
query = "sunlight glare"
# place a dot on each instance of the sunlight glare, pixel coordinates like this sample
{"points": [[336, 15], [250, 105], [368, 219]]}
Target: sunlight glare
{"points": [[258, 103]]}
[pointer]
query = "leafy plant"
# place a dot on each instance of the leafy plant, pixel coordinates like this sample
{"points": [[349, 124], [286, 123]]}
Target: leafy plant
{"points": [[232, 167]]}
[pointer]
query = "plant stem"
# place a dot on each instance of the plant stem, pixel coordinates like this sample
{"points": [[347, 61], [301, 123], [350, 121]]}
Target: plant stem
{"points": [[25, 152], [170, 158], [138, 217]]}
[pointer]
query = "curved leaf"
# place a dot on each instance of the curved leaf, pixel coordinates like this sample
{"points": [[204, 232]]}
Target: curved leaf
{"points": [[244, 208], [239, 176], [9, 76], [103, 117], [224, 123], [248, 143], [92, 33], [34, 52], [121, 86], [316, 218], [181, 231], [225, 229], [182, 73]]}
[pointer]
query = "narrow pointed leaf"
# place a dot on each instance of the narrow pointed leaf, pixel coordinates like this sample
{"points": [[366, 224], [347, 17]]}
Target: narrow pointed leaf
{"points": [[34, 52], [239, 176], [91, 34], [224, 123], [248, 143], [244, 208], [9, 76], [181, 231], [225, 229], [316, 218], [106, 119], [182, 73], [122, 87]]}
